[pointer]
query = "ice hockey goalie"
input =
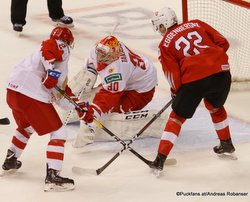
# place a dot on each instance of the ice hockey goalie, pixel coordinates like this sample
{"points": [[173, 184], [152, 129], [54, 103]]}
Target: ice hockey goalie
{"points": [[127, 86]]}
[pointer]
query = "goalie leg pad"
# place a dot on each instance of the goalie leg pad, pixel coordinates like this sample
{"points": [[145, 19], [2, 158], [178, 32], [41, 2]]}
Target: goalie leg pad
{"points": [[86, 135], [125, 125]]}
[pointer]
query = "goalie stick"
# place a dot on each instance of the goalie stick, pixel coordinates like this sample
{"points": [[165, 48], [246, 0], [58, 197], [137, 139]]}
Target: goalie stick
{"points": [[4, 121], [125, 145], [114, 28]]}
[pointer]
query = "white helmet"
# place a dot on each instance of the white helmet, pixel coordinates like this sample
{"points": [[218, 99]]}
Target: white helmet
{"points": [[165, 16]]}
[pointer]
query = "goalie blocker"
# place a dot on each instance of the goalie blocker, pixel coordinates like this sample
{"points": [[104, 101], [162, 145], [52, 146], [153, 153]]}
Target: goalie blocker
{"points": [[84, 80]]}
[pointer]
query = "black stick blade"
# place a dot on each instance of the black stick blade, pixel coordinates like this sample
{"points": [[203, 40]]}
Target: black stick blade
{"points": [[4, 121]]}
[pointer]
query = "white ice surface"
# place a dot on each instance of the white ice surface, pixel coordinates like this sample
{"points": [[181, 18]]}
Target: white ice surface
{"points": [[127, 179]]}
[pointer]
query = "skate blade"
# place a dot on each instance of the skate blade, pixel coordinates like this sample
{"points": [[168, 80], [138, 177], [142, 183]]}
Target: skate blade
{"points": [[8, 172], [227, 156], [18, 34], [60, 24], [52, 187]]}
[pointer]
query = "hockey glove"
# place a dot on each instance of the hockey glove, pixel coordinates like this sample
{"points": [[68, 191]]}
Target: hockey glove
{"points": [[51, 78], [88, 116]]}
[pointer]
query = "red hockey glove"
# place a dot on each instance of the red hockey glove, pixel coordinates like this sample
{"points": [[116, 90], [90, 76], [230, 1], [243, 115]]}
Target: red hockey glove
{"points": [[85, 116], [88, 116], [51, 78]]}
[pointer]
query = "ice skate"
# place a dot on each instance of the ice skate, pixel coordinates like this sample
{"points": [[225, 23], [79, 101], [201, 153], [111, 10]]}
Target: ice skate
{"points": [[64, 21], [18, 28], [11, 164], [55, 183], [225, 150], [158, 164]]}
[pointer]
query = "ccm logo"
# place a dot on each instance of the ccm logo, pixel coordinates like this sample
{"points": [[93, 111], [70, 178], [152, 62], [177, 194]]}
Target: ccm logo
{"points": [[136, 115]]}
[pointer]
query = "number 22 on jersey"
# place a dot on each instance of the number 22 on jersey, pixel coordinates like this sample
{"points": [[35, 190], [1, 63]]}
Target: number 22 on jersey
{"points": [[192, 44]]}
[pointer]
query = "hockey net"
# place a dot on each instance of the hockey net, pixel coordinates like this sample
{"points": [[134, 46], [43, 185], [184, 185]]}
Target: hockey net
{"points": [[232, 19]]}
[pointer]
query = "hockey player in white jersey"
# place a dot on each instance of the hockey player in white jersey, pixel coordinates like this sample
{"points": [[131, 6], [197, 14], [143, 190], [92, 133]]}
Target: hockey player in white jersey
{"points": [[30, 94], [128, 83]]}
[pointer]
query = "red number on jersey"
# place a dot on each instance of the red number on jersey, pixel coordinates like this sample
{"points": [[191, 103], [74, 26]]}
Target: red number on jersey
{"points": [[113, 86], [136, 60]]}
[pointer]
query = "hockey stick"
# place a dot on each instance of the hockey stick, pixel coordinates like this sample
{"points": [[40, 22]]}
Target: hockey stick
{"points": [[4, 121], [89, 171], [125, 145], [114, 28], [80, 170], [71, 111]]}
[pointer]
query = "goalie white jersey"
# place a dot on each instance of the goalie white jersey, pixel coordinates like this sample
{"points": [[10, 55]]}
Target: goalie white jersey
{"points": [[129, 72], [128, 80], [130, 76]]}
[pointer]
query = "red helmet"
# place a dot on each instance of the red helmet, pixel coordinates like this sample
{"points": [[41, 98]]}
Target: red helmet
{"points": [[62, 33]]}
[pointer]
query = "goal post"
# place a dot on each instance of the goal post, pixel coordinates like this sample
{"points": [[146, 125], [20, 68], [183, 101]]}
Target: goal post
{"points": [[232, 19], [240, 3]]}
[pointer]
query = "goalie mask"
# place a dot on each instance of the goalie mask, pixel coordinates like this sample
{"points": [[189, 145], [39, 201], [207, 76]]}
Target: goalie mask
{"points": [[166, 17], [64, 34], [108, 50]]}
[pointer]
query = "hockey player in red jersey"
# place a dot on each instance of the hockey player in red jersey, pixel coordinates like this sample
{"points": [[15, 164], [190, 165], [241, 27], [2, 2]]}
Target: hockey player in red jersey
{"points": [[195, 63], [30, 94]]}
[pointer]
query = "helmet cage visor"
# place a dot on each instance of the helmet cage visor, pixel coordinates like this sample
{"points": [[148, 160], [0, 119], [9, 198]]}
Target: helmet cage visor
{"points": [[106, 54]]}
